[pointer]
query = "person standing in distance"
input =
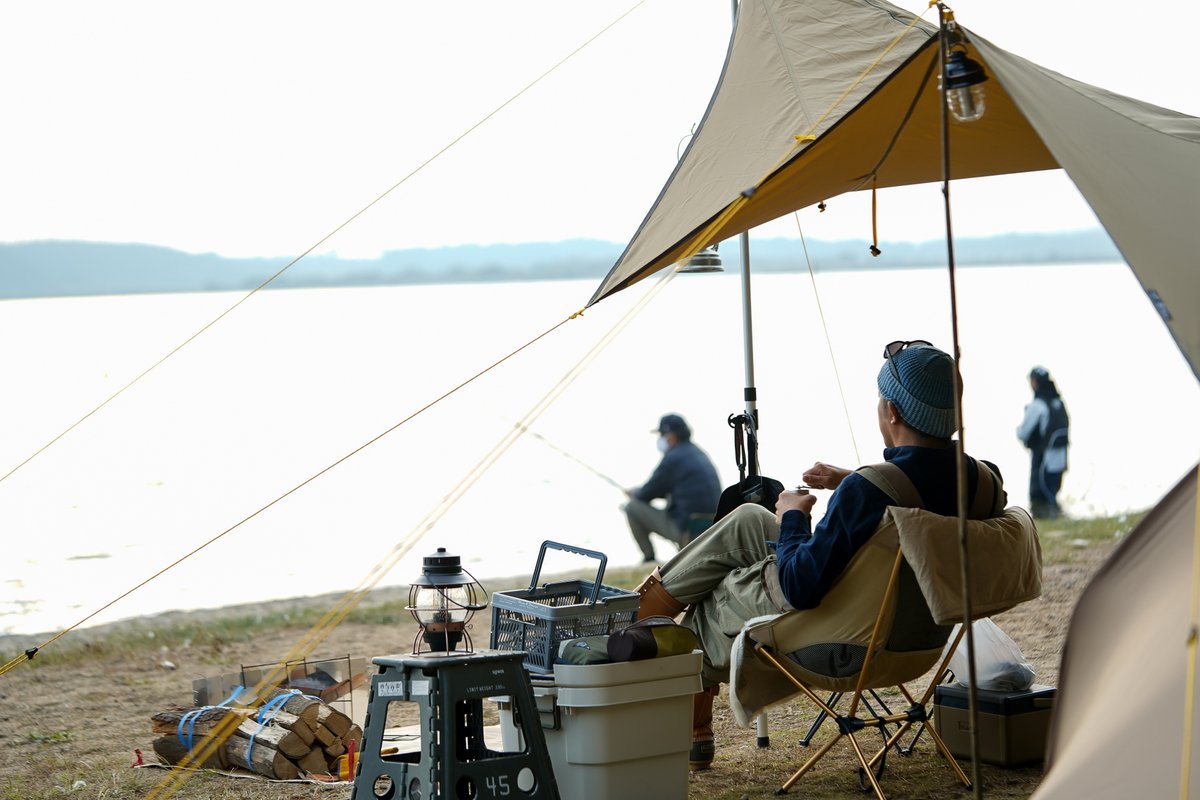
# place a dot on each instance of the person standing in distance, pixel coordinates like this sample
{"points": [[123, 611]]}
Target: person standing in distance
{"points": [[1044, 432], [685, 478]]}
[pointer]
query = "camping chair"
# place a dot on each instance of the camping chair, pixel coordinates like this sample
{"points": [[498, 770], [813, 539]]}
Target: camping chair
{"points": [[875, 705], [885, 623]]}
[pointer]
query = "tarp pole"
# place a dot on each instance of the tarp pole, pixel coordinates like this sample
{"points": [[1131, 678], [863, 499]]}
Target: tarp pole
{"points": [[751, 393], [947, 28]]}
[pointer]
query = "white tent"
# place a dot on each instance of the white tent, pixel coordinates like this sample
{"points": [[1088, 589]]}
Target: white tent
{"points": [[822, 97]]}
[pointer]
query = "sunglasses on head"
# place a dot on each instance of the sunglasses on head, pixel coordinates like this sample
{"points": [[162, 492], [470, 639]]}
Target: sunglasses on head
{"points": [[895, 347]]}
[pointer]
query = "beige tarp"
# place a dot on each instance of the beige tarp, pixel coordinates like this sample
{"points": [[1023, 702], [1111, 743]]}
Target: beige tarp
{"points": [[1118, 724], [860, 79]]}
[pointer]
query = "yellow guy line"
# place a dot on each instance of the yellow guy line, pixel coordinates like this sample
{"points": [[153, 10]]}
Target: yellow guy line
{"points": [[1189, 703], [837, 374], [180, 773], [797, 141], [325, 238]]}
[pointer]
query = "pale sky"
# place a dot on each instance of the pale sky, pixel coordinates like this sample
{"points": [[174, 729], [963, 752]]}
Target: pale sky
{"points": [[257, 128]]}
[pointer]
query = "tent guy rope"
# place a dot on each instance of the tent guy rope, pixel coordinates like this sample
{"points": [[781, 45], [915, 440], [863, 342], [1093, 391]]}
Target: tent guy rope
{"points": [[31, 652], [325, 238], [837, 374]]}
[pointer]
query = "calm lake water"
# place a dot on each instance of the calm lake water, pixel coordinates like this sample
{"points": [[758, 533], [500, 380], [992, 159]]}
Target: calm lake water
{"points": [[294, 381]]}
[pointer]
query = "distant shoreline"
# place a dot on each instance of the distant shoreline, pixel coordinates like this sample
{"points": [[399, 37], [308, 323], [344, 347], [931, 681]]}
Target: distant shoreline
{"points": [[55, 268]]}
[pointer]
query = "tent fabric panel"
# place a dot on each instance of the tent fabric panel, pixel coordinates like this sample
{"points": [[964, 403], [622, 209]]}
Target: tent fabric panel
{"points": [[1124, 668], [1138, 167], [853, 155], [850, 155], [779, 81]]}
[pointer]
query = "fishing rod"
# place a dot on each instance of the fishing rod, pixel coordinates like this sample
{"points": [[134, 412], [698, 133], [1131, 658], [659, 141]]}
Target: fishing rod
{"points": [[578, 461]]}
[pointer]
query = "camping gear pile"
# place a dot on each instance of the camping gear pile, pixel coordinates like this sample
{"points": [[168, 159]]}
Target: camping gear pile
{"points": [[614, 696]]}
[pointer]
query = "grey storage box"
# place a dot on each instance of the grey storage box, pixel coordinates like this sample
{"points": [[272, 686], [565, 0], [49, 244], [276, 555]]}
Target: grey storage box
{"points": [[1012, 725]]}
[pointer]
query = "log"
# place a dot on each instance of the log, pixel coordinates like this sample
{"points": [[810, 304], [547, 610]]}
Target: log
{"points": [[172, 751], [337, 722], [306, 708], [261, 759], [166, 722], [323, 735], [274, 736], [293, 723], [314, 761], [334, 750]]}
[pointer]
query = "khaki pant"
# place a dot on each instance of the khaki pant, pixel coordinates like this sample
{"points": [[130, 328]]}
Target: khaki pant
{"points": [[644, 519], [727, 576]]}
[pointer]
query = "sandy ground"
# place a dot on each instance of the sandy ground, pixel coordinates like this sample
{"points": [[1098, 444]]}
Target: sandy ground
{"points": [[96, 713]]}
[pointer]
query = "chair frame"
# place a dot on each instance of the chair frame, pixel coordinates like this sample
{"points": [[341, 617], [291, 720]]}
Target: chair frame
{"points": [[849, 723]]}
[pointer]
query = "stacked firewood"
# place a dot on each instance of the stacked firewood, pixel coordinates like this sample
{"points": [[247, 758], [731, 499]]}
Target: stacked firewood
{"points": [[295, 736]]}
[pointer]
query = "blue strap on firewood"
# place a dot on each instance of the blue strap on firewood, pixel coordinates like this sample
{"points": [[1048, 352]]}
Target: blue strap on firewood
{"points": [[190, 718]]}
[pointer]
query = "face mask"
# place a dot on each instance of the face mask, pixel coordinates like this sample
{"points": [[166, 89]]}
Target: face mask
{"points": [[662, 444]]}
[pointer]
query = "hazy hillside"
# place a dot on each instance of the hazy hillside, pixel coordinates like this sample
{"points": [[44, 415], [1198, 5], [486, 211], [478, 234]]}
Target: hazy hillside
{"points": [[61, 268]]}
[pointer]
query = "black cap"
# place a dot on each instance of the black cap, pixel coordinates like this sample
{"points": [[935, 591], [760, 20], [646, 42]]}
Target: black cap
{"points": [[673, 423]]}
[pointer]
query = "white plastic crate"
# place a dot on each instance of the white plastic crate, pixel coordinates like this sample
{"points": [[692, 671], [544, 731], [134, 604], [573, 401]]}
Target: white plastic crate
{"points": [[616, 730]]}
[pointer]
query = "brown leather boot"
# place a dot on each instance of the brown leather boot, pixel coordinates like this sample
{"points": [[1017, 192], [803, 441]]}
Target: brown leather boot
{"points": [[655, 601], [703, 745]]}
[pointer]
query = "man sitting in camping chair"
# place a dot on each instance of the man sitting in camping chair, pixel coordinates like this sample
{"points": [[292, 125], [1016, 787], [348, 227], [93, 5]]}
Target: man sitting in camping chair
{"points": [[753, 562]]}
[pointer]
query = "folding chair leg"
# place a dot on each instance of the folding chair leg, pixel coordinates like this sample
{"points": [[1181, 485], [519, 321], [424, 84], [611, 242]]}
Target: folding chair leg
{"points": [[798, 774], [862, 759], [941, 745], [834, 697]]}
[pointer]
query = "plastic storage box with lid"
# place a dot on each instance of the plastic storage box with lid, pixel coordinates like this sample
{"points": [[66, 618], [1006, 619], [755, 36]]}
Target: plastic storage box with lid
{"points": [[1012, 725], [616, 730]]}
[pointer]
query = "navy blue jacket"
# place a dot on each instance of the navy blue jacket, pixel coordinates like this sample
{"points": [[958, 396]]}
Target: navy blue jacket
{"points": [[687, 479], [810, 561]]}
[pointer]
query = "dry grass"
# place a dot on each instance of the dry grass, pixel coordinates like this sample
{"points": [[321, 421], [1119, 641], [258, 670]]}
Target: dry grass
{"points": [[71, 719]]}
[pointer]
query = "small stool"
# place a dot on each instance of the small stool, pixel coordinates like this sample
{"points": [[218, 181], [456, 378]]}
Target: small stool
{"points": [[454, 760]]}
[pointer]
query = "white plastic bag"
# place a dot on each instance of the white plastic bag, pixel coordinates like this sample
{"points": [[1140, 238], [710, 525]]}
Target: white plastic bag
{"points": [[999, 663]]}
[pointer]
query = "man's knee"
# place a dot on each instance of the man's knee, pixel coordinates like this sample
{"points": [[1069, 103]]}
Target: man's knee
{"points": [[751, 517], [751, 511]]}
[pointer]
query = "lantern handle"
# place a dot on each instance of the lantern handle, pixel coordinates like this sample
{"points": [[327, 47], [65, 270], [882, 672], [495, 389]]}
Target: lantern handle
{"points": [[570, 548]]}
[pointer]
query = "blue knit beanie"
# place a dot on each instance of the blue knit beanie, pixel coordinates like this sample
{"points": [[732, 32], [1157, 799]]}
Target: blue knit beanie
{"points": [[920, 381]]}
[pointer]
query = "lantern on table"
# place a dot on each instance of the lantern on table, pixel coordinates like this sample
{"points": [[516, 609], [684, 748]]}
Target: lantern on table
{"points": [[442, 601]]}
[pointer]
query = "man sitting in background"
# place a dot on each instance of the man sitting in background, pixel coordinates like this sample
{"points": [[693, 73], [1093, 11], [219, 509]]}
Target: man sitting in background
{"points": [[685, 477]]}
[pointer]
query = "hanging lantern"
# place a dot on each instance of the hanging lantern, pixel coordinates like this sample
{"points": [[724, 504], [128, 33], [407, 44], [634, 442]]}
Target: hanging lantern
{"points": [[964, 86], [442, 600], [707, 260]]}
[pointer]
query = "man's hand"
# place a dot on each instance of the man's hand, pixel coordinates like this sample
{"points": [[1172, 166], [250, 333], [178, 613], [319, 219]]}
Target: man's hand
{"points": [[824, 476], [794, 499]]}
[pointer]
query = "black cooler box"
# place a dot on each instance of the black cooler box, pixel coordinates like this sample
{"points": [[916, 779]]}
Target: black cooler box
{"points": [[1012, 725]]}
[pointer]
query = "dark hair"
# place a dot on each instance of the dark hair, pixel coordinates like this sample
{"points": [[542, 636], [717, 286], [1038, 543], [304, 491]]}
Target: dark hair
{"points": [[1045, 388]]}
